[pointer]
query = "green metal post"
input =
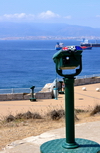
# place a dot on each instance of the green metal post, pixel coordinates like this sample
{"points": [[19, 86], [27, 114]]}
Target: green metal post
{"points": [[32, 92], [56, 90], [69, 113], [32, 98]]}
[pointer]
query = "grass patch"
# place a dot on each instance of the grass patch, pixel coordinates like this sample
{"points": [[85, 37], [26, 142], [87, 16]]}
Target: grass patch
{"points": [[32, 123], [54, 115]]}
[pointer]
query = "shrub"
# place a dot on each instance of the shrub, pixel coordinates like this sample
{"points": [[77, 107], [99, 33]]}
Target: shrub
{"points": [[79, 111], [56, 114], [10, 118], [75, 117], [36, 116], [19, 116], [28, 115], [95, 110]]}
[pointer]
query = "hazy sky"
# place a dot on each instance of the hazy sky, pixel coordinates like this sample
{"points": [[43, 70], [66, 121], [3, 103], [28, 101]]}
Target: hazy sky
{"points": [[74, 12]]}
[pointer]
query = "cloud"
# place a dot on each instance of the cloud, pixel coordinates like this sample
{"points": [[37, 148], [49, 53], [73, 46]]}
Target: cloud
{"points": [[97, 16], [43, 16], [48, 14], [16, 16], [68, 17]]}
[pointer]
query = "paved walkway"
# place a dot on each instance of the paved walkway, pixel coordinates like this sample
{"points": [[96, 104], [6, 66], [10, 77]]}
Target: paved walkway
{"points": [[89, 131]]}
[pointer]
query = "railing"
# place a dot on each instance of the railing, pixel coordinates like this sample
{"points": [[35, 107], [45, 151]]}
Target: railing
{"points": [[19, 90], [37, 89], [88, 76]]}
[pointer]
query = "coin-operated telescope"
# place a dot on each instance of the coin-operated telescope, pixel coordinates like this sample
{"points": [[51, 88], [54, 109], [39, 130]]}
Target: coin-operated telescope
{"points": [[68, 58]]}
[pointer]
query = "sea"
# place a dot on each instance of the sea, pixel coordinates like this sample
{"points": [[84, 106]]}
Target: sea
{"points": [[26, 63]]}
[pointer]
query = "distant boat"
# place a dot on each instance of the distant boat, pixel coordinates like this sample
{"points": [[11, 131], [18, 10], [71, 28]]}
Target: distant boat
{"points": [[85, 47], [87, 44], [59, 46]]}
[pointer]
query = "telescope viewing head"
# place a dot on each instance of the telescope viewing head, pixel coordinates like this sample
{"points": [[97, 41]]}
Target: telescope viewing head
{"points": [[68, 58]]}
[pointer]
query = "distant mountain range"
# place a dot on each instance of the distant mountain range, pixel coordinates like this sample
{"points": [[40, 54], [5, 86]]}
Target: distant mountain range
{"points": [[8, 29]]}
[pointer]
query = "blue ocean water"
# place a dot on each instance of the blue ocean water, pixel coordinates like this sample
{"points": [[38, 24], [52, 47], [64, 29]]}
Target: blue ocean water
{"points": [[27, 63]]}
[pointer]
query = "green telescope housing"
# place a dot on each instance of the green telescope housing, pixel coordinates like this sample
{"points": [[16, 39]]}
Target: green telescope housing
{"points": [[66, 60], [69, 58]]}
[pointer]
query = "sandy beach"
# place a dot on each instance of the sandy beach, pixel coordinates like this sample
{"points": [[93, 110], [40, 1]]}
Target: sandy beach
{"points": [[82, 99]]}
